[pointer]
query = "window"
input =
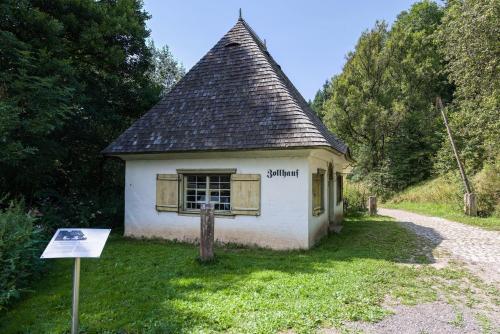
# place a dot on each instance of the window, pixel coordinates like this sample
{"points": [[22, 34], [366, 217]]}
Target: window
{"points": [[318, 192], [340, 188], [231, 193], [200, 189]]}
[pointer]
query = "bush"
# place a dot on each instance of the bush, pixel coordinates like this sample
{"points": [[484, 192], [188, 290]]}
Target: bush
{"points": [[20, 247], [487, 187], [355, 195]]}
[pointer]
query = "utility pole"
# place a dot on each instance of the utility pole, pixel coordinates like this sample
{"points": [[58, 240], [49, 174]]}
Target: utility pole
{"points": [[469, 197]]}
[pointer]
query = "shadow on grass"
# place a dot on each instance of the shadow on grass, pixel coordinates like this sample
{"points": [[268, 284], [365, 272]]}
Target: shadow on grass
{"points": [[428, 239], [159, 286]]}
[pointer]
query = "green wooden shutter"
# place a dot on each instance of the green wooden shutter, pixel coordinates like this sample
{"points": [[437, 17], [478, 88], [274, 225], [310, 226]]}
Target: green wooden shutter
{"points": [[340, 188], [245, 194], [167, 192], [316, 203], [317, 185]]}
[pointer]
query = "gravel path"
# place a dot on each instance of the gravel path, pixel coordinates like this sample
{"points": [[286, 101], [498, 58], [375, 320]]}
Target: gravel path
{"points": [[478, 249], [428, 318]]}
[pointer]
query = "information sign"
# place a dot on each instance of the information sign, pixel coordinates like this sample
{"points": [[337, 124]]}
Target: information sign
{"points": [[76, 242]]}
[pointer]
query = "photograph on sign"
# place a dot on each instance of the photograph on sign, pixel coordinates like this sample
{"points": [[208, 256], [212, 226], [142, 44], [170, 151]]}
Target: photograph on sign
{"points": [[76, 242], [71, 235]]}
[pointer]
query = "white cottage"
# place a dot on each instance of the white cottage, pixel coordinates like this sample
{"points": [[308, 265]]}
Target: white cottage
{"points": [[236, 132]]}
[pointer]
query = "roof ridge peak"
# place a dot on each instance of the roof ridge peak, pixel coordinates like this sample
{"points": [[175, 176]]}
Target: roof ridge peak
{"points": [[253, 33]]}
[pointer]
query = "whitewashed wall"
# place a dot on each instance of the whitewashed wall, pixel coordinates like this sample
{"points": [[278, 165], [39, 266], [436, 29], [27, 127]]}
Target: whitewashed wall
{"points": [[285, 202], [318, 225]]}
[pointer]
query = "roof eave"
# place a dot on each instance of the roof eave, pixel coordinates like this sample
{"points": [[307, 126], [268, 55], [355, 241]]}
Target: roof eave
{"points": [[327, 147]]}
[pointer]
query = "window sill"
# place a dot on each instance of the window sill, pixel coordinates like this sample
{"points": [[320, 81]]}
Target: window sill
{"points": [[197, 214], [318, 212]]}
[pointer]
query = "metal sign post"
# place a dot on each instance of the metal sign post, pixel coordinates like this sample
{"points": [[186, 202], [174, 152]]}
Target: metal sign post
{"points": [[76, 295], [76, 243]]}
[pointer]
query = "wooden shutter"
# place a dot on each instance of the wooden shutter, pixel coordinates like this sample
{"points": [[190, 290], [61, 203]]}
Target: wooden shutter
{"points": [[318, 193], [245, 194], [340, 186], [316, 196], [167, 192]]}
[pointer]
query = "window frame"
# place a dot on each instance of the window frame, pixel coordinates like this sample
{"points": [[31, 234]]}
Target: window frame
{"points": [[317, 211], [207, 173]]}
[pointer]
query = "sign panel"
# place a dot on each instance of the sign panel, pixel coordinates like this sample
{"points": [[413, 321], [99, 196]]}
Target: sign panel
{"points": [[76, 242]]}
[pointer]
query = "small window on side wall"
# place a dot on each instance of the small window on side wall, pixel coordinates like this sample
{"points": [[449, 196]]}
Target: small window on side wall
{"points": [[340, 188], [318, 206]]}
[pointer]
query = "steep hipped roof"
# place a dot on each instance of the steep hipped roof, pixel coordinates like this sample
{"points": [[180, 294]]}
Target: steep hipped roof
{"points": [[236, 97]]}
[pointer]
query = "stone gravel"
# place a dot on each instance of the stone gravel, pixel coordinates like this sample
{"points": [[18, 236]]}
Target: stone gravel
{"points": [[435, 318], [477, 249]]}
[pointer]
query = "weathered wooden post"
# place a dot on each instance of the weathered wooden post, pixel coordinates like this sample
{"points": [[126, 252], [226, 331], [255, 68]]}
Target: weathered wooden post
{"points": [[207, 232], [372, 205], [470, 207]]}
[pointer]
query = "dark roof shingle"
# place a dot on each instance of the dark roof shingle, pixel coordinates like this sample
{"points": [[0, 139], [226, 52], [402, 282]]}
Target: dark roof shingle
{"points": [[236, 97]]}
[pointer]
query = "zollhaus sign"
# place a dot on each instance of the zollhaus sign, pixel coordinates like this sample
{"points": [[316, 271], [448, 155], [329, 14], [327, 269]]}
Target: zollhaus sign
{"points": [[282, 173]]}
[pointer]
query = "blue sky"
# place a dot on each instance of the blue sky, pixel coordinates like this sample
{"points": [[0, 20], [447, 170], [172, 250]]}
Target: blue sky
{"points": [[308, 38]]}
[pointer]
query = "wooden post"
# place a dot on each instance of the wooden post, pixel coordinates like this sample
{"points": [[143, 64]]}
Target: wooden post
{"points": [[207, 232], [372, 205], [470, 207]]}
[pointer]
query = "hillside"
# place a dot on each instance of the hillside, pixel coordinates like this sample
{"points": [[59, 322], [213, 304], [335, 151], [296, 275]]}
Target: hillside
{"points": [[442, 197]]}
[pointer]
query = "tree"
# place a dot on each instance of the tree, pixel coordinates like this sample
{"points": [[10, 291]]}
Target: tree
{"points": [[166, 70], [360, 109], [322, 95], [37, 93], [382, 102], [469, 44], [74, 75], [417, 71]]}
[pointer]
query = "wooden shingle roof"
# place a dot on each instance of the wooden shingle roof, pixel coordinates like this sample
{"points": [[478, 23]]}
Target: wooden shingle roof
{"points": [[236, 97]]}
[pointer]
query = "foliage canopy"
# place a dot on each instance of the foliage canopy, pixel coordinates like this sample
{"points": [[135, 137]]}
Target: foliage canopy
{"points": [[382, 103], [73, 76]]}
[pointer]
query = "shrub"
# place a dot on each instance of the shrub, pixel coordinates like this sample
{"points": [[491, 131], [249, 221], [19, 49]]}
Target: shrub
{"points": [[487, 187], [355, 195], [20, 247]]}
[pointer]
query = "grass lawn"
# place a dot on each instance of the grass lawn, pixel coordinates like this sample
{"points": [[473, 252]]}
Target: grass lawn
{"points": [[159, 287], [446, 211]]}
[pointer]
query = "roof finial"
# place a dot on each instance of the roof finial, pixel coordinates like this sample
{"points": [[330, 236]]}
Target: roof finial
{"points": [[241, 17]]}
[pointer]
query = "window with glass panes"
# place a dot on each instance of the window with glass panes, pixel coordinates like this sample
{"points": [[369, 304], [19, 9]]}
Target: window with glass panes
{"points": [[215, 189]]}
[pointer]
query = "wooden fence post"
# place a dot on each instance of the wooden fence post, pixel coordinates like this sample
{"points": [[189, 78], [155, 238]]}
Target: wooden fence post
{"points": [[207, 232], [372, 205], [470, 206]]}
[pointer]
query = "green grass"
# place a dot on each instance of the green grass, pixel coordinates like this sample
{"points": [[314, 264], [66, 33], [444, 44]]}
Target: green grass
{"points": [[440, 197], [447, 211], [159, 287]]}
